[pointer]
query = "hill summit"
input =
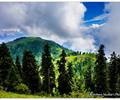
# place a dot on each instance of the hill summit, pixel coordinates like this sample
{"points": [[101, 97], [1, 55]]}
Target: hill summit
{"points": [[36, 46]]}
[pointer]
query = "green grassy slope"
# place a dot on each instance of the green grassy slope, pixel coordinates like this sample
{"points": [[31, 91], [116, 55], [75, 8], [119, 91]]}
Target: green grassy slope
{"points": [[4, 94]]}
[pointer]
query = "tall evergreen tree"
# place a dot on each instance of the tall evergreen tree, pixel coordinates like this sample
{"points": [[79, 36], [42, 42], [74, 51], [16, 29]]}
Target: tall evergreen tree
{"points": [[70, 71], [88, 79], [118, 74], [47, 71], [18, 65], [13, 78], [6, 63], [63, 80], [89, 86], [113, 76], [100, 72], [30, 72]]}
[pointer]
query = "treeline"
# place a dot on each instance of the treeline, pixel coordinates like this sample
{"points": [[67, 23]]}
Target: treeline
{"points": [[29, 77], [106, 80]]}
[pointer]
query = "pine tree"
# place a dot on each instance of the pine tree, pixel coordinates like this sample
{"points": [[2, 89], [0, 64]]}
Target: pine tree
{"points": [[100, 72], [30, 72], [6, 64], [113, 76], [18, 65], [88, 79], [118, 74], [63, 80], [13, 79], [89, 86], [47, 71], [70, 71]]}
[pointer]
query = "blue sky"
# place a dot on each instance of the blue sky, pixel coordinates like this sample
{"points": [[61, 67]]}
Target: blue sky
{"points": [[94, 9], [77, 25]]}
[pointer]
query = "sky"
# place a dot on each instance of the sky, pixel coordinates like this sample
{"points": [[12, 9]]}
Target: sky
{"points": [[80, 26]]}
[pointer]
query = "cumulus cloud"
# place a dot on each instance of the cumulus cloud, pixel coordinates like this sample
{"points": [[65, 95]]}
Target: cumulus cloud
{"points": [[96, 26], [110, 31], [83, 44], [60, 22], [12, 15]]}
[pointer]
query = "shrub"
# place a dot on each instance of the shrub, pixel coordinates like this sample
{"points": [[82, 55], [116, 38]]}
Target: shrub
{"points": [[1, 88], [56, 92], [22, 89], [42, 93]]}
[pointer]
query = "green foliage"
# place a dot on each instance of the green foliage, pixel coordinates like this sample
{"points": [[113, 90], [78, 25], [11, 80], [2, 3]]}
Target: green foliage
{"points": [[6, 67], [113, 76], [4, 94], [70, 71], [1, 88], [118, 74], [64, 79], [13, 79], [100, 72], [89, 86], [83, 94], [30, 72], [18, 66], [47, 71], [73, 73], [80, 65], [36, 46], [22, 89], [77, 84]]}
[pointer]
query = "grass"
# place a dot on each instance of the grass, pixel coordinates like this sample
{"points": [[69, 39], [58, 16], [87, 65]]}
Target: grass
{"points": [[4, 94]]}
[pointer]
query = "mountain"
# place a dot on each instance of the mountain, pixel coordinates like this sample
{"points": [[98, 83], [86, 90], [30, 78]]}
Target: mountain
{"points": [[36, 46]]}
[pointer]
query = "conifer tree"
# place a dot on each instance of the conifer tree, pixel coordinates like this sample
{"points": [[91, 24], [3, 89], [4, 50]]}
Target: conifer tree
{"points": [[30, 72], [19, 67], [88, 79], [113, 76], [47, 71], [89, 86], [118, 74], [6, 63], [70, 71], [100, 72], [63, 80], [13, 79]]}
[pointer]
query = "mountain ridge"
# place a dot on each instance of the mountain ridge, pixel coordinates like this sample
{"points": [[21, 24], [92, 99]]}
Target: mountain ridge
{"points": [[36, 46]]}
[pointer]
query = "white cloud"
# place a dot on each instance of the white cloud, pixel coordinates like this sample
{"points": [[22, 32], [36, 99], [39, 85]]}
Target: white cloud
{"points": [[60, 22], [110, 32], [83, 44], [94, 26], [12, 15]]}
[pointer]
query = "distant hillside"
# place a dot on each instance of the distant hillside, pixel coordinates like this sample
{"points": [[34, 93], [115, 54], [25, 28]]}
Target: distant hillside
{"points": [[36, 46], [80, 64]]}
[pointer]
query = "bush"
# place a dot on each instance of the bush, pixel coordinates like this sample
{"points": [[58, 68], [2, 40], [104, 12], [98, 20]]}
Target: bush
{"points": [[1, 88], [22, 89], [42, 93]]}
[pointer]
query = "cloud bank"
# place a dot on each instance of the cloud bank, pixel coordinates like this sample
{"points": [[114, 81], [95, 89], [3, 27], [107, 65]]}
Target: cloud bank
{"points": [[110, 32], [60, 22]]}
